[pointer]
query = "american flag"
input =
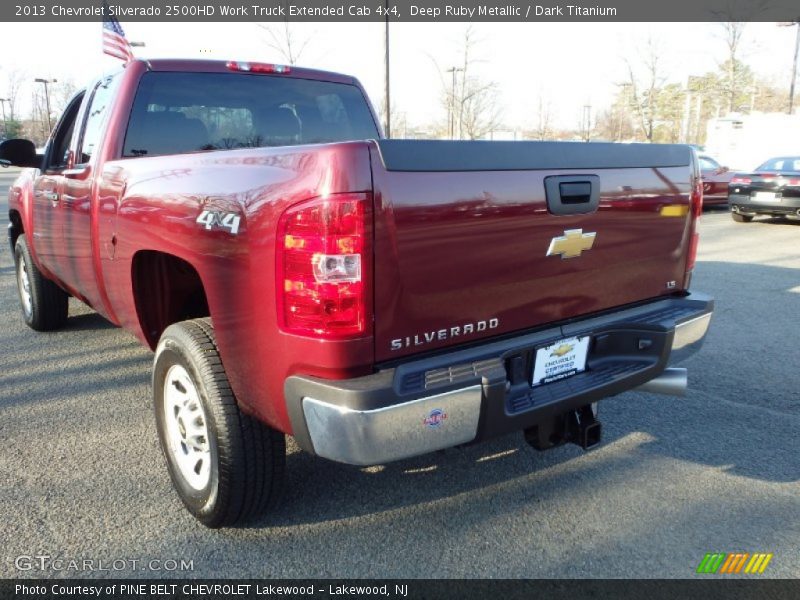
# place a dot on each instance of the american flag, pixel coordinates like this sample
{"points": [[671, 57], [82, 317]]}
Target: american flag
{"points": [[114, 42]]}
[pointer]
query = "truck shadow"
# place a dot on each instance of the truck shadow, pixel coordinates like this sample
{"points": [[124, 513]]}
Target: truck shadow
{"points": [[740, 416], [90, 321]]}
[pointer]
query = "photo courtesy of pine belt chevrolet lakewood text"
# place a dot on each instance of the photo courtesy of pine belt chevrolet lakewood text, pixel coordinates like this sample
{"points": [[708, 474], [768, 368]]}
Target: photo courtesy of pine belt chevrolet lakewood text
{"points": [[296, 273]]}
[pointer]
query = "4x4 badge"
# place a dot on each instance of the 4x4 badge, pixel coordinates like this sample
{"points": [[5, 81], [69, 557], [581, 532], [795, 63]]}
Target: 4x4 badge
{"points": [[571, 244]]}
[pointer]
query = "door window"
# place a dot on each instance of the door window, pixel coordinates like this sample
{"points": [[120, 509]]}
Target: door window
{"points": [[57, 150], [96, 117]]}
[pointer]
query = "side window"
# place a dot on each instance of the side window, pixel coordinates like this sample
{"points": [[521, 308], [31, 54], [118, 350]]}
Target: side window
{"points": [[58, 147], [96, 117]]}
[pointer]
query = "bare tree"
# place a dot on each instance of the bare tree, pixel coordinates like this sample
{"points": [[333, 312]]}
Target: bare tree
{"points": [[618, 123], [471, 101], [543, 129], [397, 117], [60, 95], [14, 82], [39, 127], [644, 89], [732, 33], [281, 38]]}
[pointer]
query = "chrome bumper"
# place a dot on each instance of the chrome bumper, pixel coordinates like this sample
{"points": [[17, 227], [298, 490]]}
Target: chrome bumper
{"points": [[689, 337], [368, 437], [443, 401]]}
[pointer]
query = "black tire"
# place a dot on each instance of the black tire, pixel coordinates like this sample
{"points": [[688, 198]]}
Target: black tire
{"points": [[246, 457], [741, 218], [48, 305]]}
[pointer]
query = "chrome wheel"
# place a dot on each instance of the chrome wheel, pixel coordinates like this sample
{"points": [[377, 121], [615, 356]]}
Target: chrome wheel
{"points": [[24, 285], [187, 428]]}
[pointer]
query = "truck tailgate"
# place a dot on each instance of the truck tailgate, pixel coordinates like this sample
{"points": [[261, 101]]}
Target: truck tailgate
{"points": [[476, 239]]}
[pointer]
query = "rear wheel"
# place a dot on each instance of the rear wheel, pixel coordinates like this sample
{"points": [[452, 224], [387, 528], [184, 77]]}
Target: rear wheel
{"points": [[44, 304], [741, 218], [226, 466]]}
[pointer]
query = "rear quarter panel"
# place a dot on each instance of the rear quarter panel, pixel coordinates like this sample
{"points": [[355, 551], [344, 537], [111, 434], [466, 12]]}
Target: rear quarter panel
{"points": [[153, 204]]}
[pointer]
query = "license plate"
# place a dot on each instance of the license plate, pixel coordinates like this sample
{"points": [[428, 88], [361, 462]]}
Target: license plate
{"points": [[765, 196], [563, 359]]}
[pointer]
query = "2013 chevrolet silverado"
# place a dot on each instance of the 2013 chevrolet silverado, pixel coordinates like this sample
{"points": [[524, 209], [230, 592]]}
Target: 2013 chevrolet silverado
{"points": [[377, 299]]}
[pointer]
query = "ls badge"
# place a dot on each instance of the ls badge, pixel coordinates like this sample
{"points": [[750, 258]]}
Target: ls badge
{"points": [[571, 244]]}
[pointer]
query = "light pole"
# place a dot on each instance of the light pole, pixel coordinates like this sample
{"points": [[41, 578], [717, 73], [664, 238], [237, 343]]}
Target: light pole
{"points": [[794, 66], [46, 82], [794, 62], [587, 120], [5, 123], [452, 116], [388, 101]]}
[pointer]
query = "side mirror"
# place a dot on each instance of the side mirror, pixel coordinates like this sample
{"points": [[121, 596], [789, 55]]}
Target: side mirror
{"points": [[19, 153]]}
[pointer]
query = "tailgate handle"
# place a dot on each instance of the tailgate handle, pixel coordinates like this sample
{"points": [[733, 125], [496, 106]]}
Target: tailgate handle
{"points": [[575, 193], [572, 194]]}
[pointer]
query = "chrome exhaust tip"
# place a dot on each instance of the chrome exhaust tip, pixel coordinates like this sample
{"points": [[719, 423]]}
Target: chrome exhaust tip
{"points": [[672, 382]]}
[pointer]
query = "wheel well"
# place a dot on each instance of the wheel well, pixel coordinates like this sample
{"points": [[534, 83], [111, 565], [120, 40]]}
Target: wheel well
{"points": [[16, 228], [166, 290]]}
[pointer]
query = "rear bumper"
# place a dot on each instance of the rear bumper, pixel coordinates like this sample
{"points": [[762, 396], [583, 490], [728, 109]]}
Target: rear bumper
{"points": [[741, 203], [474, 394]]}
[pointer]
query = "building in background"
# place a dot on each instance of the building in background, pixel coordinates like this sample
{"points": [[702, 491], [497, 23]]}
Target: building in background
{"points": [[745, 141]]}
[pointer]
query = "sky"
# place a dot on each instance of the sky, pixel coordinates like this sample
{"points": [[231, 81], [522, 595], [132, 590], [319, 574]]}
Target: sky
{"points": [[569, 65]]}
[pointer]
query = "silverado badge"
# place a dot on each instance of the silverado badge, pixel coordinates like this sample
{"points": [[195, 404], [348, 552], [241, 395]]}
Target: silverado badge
{"points": [[571, 244]]}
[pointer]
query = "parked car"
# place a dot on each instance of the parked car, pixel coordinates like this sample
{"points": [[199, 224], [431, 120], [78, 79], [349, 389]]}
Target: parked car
{"points": [[772, 189], [377, 299], [715, 181]]}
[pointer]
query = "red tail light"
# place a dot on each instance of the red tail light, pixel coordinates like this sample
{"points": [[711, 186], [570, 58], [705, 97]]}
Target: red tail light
{"points": [[324, 265], [742, 180], [792, 182]]}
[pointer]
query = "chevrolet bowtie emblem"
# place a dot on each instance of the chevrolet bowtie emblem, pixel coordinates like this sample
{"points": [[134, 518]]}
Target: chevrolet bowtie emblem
{"points": [[562, 350], [571, 244]]}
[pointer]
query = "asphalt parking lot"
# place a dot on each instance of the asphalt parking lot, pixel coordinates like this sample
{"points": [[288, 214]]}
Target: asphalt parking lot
{"points": [[82, 477]]}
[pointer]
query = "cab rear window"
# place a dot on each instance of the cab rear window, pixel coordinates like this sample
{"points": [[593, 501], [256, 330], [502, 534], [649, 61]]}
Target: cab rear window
{"points": [[175, 113]]}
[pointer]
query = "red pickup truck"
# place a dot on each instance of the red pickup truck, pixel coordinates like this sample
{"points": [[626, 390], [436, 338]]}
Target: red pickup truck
{"points": [[295, 273]]}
